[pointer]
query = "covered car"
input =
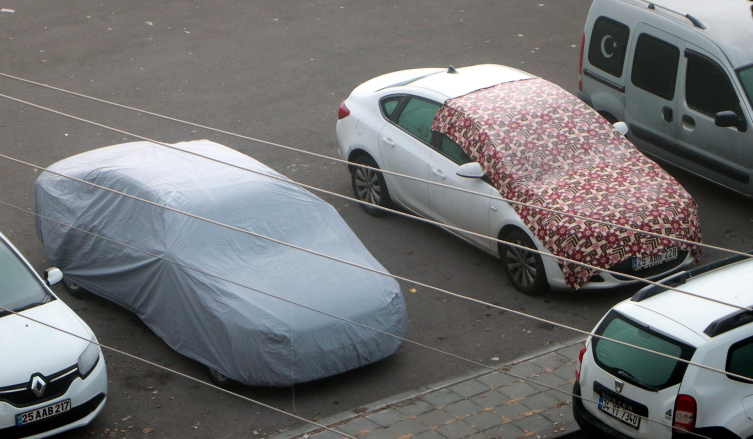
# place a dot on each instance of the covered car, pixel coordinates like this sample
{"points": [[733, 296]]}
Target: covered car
{"points": [[199, 285]]}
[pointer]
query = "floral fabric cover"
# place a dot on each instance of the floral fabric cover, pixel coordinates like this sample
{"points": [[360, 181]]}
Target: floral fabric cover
{"points": [[542, 146]]}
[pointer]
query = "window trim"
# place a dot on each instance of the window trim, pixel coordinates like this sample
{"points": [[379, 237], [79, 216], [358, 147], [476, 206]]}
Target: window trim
{"points": [[737, 345], [697, 56], [686, 351], [677, 66], [627, 44], [399, 110]]}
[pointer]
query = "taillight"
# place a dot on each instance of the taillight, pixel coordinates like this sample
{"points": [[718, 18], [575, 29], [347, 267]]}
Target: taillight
{"points": [[580, 65], [343, 111], [685, 412], [580, 363]]}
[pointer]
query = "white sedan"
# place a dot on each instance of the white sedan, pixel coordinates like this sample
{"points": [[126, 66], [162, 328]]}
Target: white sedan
{"points": [[390, 123], [50, 381]]}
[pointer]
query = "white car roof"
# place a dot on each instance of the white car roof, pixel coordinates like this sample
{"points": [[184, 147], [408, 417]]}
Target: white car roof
{"points": [[730, 284], [469, 79]]}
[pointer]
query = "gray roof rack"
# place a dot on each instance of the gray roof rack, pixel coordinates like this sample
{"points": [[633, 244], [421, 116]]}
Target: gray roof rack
{"points": [[696, 22]]}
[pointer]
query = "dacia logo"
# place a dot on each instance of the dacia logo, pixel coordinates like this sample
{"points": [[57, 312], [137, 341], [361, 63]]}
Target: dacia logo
{"points": [[38, 385], [618, 385]]}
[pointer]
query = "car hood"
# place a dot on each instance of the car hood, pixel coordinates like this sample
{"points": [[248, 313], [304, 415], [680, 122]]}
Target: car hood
{"points": [[542, 146], [29, 347]]}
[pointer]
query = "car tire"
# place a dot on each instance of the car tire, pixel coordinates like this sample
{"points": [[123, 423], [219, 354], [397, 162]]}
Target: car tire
{"points": [[524, 269], [219, 379], [75, 290], [369, 186]]}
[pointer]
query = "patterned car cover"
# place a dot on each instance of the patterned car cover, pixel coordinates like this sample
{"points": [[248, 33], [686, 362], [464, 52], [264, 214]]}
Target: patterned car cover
{"points": [[542, 146]]}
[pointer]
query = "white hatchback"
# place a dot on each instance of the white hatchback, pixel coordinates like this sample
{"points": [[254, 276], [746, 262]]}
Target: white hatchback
{"points": [[50, 381], [636, 394], [389, 123]]}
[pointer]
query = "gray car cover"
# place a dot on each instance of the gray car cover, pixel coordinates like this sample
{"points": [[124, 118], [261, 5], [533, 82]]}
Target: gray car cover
{"points": [[247, 336]]}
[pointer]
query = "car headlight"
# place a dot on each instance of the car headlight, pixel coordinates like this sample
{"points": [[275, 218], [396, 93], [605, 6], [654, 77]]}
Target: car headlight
{"points": [[88, 359]]}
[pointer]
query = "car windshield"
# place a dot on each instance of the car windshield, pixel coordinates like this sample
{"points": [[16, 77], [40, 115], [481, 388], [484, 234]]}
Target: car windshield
{"points": [[746, 78], [644, 369], [20, 289]]}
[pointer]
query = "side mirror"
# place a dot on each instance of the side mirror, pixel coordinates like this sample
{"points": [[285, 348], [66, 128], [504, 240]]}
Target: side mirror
{"points": [[726, 119], [471, 170], [621, 127], [52, 276]]}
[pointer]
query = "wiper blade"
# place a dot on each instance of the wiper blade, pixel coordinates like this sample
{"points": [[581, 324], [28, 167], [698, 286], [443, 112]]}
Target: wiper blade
{"points": [[635, 380]]}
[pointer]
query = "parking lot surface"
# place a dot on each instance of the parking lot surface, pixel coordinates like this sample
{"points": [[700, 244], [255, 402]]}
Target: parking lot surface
{"points": [[278, 71]]}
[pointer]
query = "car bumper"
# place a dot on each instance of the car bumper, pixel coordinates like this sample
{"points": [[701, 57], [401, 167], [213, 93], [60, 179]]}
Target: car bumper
{"points": [[585, 98], [87, 400], [557, 279], [588, 422]]}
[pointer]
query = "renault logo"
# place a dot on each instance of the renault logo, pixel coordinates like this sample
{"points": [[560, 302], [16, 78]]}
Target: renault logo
{"points": [[618, 386], [38, 385]]}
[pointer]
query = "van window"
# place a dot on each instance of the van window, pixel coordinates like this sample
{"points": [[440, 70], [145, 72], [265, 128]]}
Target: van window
{"points": [[740, 359], [655, 66], [707, 88], [641, 368], [608, 46], [746, 78]]}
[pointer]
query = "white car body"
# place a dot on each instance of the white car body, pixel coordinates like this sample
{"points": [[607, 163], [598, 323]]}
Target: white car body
{"points": [[678, 127], [32, 350], [713, 334], [366, 131]]}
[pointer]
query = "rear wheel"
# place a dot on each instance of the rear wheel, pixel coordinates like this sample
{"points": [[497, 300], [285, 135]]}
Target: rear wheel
{"points": [[524, 268], [369, 186], [74, 289]]}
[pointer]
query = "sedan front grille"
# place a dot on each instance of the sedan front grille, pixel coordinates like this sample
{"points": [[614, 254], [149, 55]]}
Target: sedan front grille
{"points": [[21, 395]]}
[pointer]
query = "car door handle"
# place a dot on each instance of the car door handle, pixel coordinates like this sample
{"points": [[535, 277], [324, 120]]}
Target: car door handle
{"points": [[666, 113], [388, 141], [438, 173], [688, 120]]}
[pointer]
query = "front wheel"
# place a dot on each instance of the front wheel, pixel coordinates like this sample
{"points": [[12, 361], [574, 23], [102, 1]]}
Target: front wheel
{"points": [[74, 289], [524, 268], [369, 186], [219, 379]]}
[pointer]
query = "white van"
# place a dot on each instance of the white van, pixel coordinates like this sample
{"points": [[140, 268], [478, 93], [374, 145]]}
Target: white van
{"points": [[680, 74]]}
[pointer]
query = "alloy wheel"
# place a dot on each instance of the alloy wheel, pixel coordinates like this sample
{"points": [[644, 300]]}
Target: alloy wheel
{"points": [[522, 264], [367, 185]]}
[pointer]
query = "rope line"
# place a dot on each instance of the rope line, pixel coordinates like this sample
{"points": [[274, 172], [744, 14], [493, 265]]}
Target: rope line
{"points": [[587, 333], [496, 196]]}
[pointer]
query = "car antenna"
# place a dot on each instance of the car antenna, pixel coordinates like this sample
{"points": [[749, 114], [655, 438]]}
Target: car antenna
{"points": [[452, 70]]}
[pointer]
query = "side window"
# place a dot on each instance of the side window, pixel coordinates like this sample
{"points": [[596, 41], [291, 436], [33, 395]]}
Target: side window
{"points": [[740, 359], [608, 45], [707, 88], [389, 104], [417, 117], [453, 151], [655, 66]]}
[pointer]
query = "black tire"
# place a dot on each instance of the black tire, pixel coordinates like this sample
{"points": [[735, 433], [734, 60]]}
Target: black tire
{"points": [[524, 269], [219, 379], [75, 290], [370, 186]]}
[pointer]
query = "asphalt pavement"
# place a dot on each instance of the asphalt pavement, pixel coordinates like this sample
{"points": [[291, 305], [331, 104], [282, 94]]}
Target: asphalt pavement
{"points": [[278, 71]]}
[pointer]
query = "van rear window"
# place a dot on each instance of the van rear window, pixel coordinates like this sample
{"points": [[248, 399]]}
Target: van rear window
{"points": [[641, 368], [608, 45]]}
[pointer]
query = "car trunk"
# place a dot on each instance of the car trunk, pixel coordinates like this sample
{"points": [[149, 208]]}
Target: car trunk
{"points": [[625, 381]]}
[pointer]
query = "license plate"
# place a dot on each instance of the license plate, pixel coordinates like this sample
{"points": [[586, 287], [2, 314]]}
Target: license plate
{"points": [[642, 262], [43, 413], [609, 407]]}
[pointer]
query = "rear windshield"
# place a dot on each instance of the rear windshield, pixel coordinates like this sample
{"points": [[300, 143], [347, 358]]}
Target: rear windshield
{"points": [[20, 289], [641, 368]]}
